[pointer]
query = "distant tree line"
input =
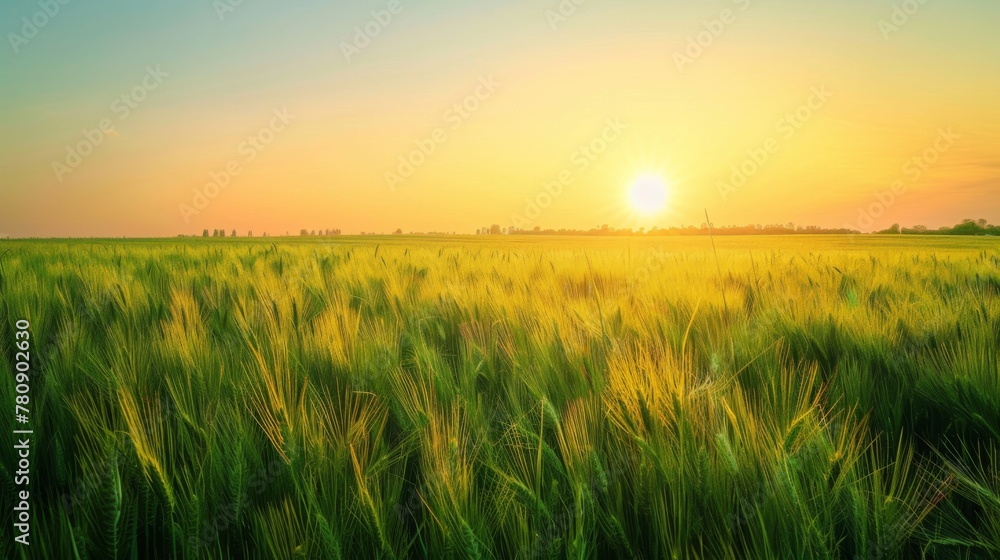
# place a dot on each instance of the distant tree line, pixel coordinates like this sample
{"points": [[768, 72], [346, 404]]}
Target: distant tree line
{"points": [[967, 227], [494, 229], [703, 229], [222, 233]]}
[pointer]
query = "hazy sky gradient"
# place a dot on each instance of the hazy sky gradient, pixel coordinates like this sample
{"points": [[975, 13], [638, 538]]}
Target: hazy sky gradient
{"points": [[557, 90]]}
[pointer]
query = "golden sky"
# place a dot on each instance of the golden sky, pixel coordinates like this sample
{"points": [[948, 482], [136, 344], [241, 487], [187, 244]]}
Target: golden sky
{"points": [[435, 116]]}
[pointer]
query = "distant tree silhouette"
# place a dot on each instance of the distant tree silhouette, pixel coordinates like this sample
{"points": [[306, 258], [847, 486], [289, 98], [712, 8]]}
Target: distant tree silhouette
{"points": [[967, 227], [205, 233]]}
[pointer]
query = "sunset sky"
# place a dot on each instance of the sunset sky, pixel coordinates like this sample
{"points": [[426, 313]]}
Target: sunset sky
{"points": [[507, 97]]}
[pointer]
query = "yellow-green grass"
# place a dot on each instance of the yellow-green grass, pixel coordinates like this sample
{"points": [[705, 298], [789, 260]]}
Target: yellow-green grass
{"points": [[497, 397]]}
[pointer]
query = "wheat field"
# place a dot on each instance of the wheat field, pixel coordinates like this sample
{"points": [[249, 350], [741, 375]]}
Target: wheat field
{"points": [[490, 397]]}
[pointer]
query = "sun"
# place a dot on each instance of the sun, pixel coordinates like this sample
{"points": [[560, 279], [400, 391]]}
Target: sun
{"points": [[648, 194]]}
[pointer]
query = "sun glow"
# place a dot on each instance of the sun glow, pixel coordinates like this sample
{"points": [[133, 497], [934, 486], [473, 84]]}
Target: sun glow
{"points": [[648, 195]]}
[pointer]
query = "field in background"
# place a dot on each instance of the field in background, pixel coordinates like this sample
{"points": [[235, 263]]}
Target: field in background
{"points": [[470, 397]]}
